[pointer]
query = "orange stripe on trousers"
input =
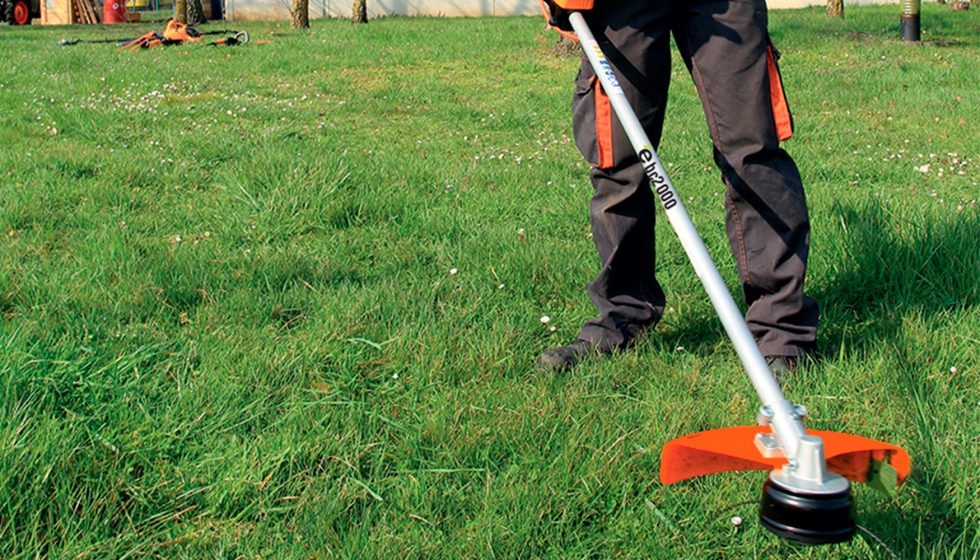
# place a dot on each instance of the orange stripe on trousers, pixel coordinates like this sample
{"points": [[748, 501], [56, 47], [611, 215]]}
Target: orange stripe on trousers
{"points": [[603, 126]]}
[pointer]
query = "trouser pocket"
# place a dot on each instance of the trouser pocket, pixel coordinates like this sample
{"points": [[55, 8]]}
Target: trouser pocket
{"points": [[780, 106], [593, 121]]}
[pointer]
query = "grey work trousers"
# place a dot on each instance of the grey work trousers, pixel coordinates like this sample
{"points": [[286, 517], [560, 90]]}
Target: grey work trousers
{"points": [[726, 48]]}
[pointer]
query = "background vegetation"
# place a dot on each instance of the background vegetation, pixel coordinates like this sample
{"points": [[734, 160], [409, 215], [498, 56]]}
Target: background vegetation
{"points": [[284, 299]]}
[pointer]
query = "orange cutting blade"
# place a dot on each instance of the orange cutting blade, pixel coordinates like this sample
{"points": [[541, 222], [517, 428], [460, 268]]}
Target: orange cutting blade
{"points": [[733, 449]]}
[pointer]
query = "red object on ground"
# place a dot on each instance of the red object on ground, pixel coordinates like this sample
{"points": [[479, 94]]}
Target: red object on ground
{"points": [[733, 449], [114, 11]]}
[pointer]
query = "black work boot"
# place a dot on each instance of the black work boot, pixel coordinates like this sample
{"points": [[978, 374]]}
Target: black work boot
{"points": [[785, 368], [782, 367], [565, 357]]}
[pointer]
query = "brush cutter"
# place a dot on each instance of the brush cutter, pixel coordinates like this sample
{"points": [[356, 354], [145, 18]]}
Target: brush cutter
{"points": [[239, 38], [807, 495], [174, 33]]}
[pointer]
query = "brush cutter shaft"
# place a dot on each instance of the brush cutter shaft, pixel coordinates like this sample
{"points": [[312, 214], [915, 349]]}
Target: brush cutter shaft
{"points": [[786, 424]]}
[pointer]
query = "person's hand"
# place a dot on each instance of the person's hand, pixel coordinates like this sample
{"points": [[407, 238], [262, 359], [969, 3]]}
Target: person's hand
{"points": [[557, 16]]}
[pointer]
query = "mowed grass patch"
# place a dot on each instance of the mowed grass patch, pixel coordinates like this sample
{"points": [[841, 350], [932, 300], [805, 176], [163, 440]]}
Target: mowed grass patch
{"points": [[285, 299]]}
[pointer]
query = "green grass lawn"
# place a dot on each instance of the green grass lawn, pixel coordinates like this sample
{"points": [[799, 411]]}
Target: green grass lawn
{"points": [[283, 300]]}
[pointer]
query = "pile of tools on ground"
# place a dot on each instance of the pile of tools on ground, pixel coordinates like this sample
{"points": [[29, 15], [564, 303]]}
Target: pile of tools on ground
{"points": [[175, 33]]}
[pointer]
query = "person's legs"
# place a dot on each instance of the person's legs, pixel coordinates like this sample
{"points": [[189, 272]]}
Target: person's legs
{"points": [[635, 39], [725, 44]]}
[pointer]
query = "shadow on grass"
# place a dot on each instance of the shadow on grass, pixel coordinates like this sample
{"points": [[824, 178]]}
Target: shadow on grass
{"points": [[900, 277], [885, 263]]}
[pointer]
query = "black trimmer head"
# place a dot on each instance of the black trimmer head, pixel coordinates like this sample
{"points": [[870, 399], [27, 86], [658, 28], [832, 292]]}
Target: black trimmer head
{"points": [[805, 517]]}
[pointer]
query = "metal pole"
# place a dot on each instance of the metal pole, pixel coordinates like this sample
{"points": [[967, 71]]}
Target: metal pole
{"points": [[910, 25]]}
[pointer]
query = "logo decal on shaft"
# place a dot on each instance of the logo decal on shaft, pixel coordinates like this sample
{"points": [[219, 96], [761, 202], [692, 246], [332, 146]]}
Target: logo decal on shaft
{"points": [[658, 180], [607, 70]]}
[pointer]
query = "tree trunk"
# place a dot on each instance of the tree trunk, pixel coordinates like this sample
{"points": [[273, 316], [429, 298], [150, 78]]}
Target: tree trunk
{"points": [[835, 9], [359, 13], [180, 11], [195, 12], [300, 13], [566, 47]]}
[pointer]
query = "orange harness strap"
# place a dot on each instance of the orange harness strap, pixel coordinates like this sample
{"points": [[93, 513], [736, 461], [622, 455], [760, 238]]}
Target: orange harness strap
{"points": [[574, 4]]}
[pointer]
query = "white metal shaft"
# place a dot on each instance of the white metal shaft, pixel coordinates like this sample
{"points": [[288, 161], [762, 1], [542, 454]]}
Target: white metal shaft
{"points": [[786, 424]]}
